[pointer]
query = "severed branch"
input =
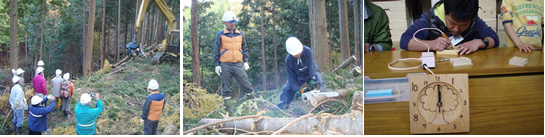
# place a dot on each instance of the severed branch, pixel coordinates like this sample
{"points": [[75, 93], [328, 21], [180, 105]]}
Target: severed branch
{"points": [[345, 63]]}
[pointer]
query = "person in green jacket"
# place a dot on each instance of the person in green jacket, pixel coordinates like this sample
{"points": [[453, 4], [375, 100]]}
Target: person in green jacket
{"points": [[377, 36], [86, 116]]}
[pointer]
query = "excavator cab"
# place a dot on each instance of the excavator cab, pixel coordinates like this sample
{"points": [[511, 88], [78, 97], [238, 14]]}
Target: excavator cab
{"points": [[172, 50]]}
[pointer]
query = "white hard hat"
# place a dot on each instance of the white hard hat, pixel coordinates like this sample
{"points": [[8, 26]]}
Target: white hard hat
{"points": [[20, 71], [15, 79], [153, 85], [294, 46], [85, 98], [39, 69], [66, 76], [229, 16], [41, 63], [36, 100], [58, 72]]}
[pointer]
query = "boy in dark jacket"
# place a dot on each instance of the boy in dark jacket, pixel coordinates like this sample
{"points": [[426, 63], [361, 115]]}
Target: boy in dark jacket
{"points": [[458, 20], [151, 113]]}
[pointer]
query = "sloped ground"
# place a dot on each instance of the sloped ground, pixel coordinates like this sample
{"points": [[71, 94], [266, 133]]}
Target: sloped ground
{"points": [[123, 95]]}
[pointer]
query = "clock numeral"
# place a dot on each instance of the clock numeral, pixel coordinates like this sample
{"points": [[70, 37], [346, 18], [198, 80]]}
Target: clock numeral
{"points": [[414, 104], [465, 102], [461, 116], [425, 82], [415, 117], [439, 129], [437, 78], [424, 125], [415, 87], [455, 126], [452, 81], [461, 91]]}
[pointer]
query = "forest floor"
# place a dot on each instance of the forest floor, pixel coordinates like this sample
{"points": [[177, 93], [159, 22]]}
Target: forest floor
{"points": [[265, 104], [123, 95]]}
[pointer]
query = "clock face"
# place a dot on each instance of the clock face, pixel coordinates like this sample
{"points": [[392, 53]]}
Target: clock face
{"points": [[439, 103]]}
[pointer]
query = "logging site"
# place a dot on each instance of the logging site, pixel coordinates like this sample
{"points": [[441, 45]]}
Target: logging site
{"points": [[272, 67], [90, 67]]}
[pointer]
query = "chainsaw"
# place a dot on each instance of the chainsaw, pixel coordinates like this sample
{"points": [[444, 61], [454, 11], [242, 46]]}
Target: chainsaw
{"points": [[312, 89]]}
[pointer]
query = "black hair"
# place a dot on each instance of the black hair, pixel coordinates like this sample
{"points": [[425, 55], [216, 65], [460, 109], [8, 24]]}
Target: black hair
{"points": [[462, 10]]}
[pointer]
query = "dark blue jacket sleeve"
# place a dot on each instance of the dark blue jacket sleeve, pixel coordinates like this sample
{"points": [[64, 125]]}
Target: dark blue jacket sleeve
{"points": [[145, 110], [311, 64], [423, 22], [217, 47], [291, 70], [244, 47], [484, 31]]}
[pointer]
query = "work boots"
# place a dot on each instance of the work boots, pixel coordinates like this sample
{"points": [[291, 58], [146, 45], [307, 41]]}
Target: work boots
{"points": [[65, 114], [228, 105]]}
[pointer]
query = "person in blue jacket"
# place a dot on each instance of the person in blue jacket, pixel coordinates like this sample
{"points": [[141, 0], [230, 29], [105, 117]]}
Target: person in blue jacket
{"points": [[151, 112], [458, 20], [86, 116], [301, 69], [38, 114]]}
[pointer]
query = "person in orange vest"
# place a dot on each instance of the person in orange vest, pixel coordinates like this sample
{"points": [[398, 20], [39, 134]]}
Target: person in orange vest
{"points": [[231, 59], [151, 113]]}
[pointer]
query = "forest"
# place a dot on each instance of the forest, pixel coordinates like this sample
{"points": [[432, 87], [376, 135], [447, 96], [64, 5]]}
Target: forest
{"points": [[331, 28], [88, 38]]}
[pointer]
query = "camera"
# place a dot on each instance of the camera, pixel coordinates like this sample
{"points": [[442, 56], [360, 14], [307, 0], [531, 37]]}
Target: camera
{"points": [[94, 95]]}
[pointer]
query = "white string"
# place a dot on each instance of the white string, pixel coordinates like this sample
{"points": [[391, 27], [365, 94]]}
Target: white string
{"points": [[414, 59], [405, 59], [425, 29]]}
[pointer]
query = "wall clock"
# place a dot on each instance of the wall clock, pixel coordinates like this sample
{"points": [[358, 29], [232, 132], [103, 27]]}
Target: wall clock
{"points": [[439, 103]]}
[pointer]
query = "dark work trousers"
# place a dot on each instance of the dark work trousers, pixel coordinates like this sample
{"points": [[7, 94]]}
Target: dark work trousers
{"points": [[291, 87], [150, 127], [236, 70]]}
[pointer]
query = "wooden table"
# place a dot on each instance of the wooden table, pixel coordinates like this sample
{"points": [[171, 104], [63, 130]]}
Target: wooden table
{"points": [[504, 99], [485, 62]]}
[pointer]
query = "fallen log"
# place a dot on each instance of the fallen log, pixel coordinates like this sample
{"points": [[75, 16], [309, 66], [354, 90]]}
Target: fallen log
{"points": [[345, 63], [315, 100], [351, 124], [119, 63], [357, 102]]}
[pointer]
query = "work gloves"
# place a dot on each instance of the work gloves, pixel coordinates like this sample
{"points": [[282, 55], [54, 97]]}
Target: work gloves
{"points": [[218, 70], [246, 66]]}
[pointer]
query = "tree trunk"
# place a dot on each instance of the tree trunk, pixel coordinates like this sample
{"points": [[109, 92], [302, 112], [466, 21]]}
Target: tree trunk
{"points": [[275, 46], [356, 32], [117, 32], [14, 46], [102, 39], [320, 48], [42, 32], [311, 21], [343, 25], [195, 43], [84, 35], [87, 66], [263, 48], [348, 124]]}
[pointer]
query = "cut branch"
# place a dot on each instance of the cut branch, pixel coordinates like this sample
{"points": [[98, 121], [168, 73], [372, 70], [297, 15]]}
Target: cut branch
{"points": [[345, 63]]}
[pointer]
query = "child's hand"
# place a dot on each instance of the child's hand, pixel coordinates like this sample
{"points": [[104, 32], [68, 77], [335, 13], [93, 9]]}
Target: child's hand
{"points": [[525, 47], [469, 47], [440, 44]]}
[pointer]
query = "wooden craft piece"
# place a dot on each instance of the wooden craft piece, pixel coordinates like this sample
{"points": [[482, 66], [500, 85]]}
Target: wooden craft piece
{"points": [[439, 103]]}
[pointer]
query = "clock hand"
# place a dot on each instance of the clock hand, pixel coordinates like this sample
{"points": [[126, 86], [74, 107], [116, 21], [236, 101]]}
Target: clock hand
{"points": [[439, 103]]}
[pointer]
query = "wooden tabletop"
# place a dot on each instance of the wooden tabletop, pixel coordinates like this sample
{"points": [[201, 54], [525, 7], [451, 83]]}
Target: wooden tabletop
{"points": [[498, 105], [493, 61]]}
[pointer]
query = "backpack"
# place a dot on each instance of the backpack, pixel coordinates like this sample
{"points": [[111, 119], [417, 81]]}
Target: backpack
{"points": [[64, 90]]}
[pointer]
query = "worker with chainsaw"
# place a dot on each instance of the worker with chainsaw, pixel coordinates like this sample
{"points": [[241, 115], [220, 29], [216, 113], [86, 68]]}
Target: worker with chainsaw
{"points": [[301, 69], [231, 59]]}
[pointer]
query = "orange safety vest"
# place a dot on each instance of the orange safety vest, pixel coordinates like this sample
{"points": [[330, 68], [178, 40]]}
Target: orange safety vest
{"points": [[231, 47]]}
